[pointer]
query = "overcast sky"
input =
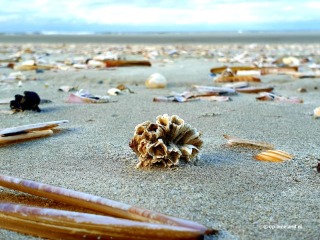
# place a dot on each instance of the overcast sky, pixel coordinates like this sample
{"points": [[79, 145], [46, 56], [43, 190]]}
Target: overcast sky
{"points": [[152, 15]]}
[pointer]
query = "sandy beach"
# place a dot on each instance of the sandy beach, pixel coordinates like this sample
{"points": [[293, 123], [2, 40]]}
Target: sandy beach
{"points": [[227, 189]]}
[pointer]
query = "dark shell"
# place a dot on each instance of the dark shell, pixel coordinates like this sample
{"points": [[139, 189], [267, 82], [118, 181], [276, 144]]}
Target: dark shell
{"points": [[29, 101]]}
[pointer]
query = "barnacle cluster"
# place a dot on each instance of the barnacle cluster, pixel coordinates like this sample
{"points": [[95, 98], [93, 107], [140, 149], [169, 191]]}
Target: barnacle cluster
{"points": [[165, 142]]}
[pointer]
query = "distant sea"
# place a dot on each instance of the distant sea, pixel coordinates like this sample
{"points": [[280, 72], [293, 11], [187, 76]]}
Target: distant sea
{"points": [[165, 38]]}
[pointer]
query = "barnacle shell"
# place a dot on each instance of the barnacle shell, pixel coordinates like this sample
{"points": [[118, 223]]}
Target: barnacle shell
{"points": [[165, 142]]}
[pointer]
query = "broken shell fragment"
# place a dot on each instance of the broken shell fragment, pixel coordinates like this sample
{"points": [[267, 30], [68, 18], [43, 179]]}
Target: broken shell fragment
{"points": [[316, 113], [156, 80], [165, 142], [239, 141], [114, 91], [273, 156]]}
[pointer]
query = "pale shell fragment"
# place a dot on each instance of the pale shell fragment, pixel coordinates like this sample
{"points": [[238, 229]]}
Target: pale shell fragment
{"points": [[273, 156], [240, 141], [156, 80], [316, 112], [114, 91]]}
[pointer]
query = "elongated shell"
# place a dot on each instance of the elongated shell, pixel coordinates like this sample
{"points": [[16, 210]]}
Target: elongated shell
{"points": [[156, 80], [165, 142]]}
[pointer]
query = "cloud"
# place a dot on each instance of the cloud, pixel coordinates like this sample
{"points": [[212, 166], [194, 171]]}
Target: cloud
{"points": [[157, 13]]}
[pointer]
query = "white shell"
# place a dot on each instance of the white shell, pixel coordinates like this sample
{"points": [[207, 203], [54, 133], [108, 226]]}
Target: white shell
{"points": [[114, 91], [165, 142], [316, 112], [156, 80]]}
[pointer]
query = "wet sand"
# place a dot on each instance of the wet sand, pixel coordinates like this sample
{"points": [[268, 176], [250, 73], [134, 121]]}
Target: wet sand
{"points": [[227, 189]]}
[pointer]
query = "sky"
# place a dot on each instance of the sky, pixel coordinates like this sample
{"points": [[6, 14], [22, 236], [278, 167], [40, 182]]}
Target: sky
{"points": [[157, 16]]}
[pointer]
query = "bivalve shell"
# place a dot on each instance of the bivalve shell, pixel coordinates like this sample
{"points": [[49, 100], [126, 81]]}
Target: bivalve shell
{"points": [[273, 156]]}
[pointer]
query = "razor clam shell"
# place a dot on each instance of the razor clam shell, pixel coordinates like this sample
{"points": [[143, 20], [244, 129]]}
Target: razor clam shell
{"points": [[32, 127], [25, 136], [235, 140]]}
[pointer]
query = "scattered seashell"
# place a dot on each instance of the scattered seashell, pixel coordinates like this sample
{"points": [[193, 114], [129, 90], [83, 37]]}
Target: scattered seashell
{"points": [[165, 142], [236, 85], [67, 88], [114, 91], [95, 64], [126, 63], [213, 91], [239, 141], [29, 101], [123, 87], [16, 76], [302, 90], [46, 221], [316, 113], [85, 97], [156, 80], [31, 127], [273, 156], [237, 79], [219, 70], [266, 96], [306, 74], [249, 73], [278, 70], [255, 89], [26, 132]]}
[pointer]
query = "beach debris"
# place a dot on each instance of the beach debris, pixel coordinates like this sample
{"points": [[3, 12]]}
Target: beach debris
{"points": [[236, 85], [197, 92], [302, 90], [287, 61], [315, 74], [188, 96], [126, 63], [254, 89], [30, 65], [212, 91], [220, 70], [254, 70], [273, 156], [124, 88], [114, 91], [156, 80], [230, 76], [267, 96], [27, 132], [279, 70], [16, 76], [124, 221], [29, 101], [83, 96], [316, 113], [245, 142], [66, 88], [165, 142], [318, 167]]}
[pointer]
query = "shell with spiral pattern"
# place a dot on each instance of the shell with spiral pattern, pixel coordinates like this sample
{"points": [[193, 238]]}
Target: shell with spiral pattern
{"points": [[165, 142]]}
